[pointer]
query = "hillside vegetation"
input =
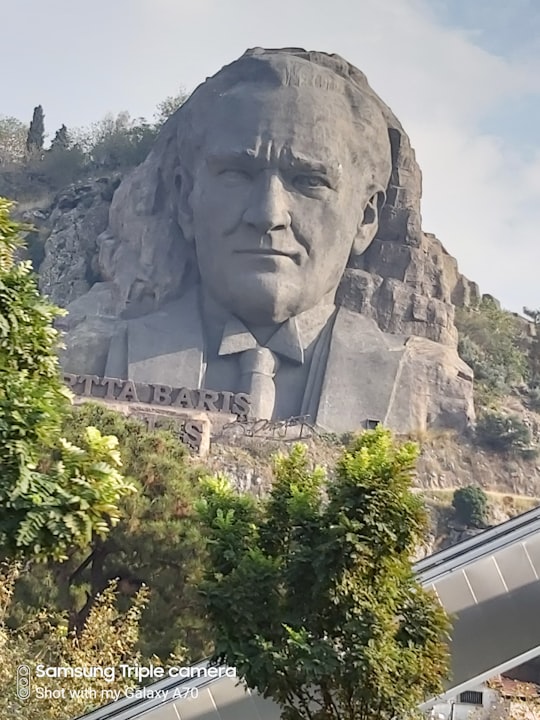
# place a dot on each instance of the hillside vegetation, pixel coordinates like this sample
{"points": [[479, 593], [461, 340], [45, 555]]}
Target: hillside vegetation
{"points": [[34, 162]]}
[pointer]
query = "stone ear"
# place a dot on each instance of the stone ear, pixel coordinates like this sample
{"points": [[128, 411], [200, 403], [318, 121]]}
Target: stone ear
{"points": [[369, 224], [184, 187]]}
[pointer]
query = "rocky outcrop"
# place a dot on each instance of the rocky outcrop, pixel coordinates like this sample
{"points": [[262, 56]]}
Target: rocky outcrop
{"points": [[417, 293], [77, 217], [406, 280]]}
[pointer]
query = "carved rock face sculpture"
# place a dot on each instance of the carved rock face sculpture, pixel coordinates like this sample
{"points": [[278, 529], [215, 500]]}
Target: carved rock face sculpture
{"points": [[226, 249], [284, 186]]}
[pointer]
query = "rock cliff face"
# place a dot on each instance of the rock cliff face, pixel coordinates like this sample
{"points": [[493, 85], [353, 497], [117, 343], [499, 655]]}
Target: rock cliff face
{"points": [[418, 292], [75, 221], [406, 280]]}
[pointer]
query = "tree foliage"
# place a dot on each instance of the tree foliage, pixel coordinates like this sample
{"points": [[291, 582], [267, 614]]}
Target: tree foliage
{"points": [[169, 106], [471, 506], [534, 359], [61, 140], [116, 142], [59, 166], [36, 132], [312, 591], [157, 543], [504, 432], [13, 134], [109, 639], [53, 495], [491, 342]]}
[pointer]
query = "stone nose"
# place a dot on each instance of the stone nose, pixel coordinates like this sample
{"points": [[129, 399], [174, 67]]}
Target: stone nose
{"points": [[268, 208]]}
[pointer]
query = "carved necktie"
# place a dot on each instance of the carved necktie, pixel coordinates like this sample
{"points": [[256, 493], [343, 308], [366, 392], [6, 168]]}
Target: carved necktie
{"points": [[258, 367]]}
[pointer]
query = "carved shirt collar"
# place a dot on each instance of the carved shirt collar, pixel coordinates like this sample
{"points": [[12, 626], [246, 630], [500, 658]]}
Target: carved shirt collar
{"points": [[289, 341]]}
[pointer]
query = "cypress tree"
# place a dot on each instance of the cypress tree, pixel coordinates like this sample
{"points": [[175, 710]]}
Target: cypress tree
{"points": [[36, 132], [61, 139]]}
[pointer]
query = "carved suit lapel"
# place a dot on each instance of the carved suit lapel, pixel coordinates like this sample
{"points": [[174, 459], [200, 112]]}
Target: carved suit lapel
{"points": [[361, 374], [167, 347]]}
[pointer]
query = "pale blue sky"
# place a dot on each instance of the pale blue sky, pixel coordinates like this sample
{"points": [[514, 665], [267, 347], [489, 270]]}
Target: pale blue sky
{"points": [[462, 75]]}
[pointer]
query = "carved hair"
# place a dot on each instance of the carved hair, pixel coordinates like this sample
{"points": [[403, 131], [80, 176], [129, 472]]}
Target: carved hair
{"points": [[144, 251]]}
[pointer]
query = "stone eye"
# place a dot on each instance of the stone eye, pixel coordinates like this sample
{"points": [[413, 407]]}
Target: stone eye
{"points": [[310, 181]]}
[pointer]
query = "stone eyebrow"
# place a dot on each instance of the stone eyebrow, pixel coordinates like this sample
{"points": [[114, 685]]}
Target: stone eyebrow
{"points": [[302, 162], [222, 158], [287, 160]]}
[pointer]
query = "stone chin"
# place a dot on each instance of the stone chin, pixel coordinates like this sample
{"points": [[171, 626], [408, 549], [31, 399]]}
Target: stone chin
{"points": [[263, 298]]}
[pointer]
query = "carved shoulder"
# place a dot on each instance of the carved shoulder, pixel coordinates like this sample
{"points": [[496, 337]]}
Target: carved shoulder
{"points": [[88, 346]]}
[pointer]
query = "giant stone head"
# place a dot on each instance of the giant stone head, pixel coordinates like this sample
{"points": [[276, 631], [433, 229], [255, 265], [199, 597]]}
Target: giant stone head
{"points": [[289, 168], [253, 249], [220, 175]]}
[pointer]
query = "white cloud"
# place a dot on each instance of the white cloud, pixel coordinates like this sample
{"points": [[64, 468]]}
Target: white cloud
{"points": [[482, 201]]}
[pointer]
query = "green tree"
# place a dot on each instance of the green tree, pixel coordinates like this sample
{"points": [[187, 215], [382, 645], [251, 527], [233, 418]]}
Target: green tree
{"points": [[534, 358], [504, 432], [471, 506], [64, 162], [157, 543], [13, 134], [169, 106], [53, 494], [109, 639], [61, 140], [312, 592], [491, 341], [36, 132], [116, 141]]}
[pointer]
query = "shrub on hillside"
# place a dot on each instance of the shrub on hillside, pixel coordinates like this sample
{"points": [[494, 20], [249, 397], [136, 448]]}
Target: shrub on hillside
{"points": [[504, 433], [533, 398], [157, 543], [489, 374], [491, 341], [471, 506]]}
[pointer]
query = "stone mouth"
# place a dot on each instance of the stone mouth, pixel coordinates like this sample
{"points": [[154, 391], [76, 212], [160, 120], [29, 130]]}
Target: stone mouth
{"points": [[266, 252]]}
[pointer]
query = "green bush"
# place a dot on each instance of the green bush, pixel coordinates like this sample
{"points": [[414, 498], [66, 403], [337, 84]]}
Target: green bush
{"points": [[533, 398], [62, 166], [493, 376], [492, 342], [157, 543], [503, 433], [471, 505]]}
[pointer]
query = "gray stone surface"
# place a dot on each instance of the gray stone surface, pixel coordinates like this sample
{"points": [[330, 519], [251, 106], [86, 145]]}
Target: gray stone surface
{"points": [[78, 216], [284, 185]]}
